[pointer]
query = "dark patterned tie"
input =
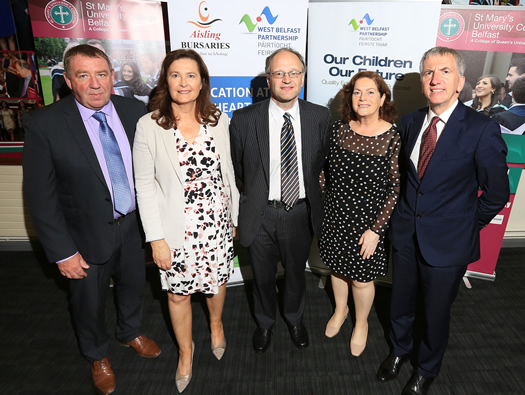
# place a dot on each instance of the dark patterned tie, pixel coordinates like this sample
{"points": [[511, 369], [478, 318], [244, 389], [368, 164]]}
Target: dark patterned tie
{"points": [[117, 171], [289, 168], [428, 145]]}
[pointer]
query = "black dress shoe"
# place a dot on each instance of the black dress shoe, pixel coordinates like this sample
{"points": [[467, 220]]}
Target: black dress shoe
{"points": [[299, 335], [389, 368], [417, 385], [261, 339]]}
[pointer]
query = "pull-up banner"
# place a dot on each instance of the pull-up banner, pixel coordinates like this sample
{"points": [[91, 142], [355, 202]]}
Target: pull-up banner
{"points": [[234, 38]]}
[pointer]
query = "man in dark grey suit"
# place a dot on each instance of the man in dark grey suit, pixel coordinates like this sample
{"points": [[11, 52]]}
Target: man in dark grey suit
{"points": [[278, 150], [72, 190]]}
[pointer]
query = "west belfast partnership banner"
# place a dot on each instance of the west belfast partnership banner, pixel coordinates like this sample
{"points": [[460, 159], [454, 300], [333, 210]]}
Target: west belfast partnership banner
{"points": [[234, 38], [386, 37]]}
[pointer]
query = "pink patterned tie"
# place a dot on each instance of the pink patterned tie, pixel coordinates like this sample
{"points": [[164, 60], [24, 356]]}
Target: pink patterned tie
{"points": [[428, 145]]}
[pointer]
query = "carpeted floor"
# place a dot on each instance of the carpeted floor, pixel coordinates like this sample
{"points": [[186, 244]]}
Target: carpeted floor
{"points": [[486, 352]]}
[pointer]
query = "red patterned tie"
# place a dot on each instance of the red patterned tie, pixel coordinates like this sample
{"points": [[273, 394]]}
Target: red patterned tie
{"points": [[428, 145]]}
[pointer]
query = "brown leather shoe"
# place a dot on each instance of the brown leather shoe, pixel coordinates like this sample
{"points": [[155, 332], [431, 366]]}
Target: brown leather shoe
{"points": [[144, 346], [103, 376]]}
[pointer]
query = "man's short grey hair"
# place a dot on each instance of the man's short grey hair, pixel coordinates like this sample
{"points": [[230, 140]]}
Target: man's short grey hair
{"points": [[267, 69], [442, 51]]}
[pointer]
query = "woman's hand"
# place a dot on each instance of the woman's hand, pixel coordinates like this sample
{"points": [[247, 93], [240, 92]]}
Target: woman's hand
{"points": [[368, 242], [161, 254], [234, 231]]}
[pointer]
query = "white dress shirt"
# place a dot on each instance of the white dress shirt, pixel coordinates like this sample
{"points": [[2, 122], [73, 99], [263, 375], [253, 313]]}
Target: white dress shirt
{"points": [[414, 156], [276, 123]]}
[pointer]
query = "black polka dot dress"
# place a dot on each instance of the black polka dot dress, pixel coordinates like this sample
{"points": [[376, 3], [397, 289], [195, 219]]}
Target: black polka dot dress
{"points": [[361, 182]]}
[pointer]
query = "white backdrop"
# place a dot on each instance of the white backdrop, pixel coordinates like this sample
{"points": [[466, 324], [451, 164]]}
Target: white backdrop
{"points": [[386, 37]]}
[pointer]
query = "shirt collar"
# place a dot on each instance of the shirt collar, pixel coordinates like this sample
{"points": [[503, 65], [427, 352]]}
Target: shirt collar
{"points": [[87, 113], [277, 112], [445, 115]]}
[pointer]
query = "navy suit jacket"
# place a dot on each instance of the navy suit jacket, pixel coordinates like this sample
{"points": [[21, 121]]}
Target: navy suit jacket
{"points": [[443, 210], [249, 137], [67, 195]]}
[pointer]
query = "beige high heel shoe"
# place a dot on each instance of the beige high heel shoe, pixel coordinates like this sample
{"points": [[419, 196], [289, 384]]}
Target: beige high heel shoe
{"points": [[331, 330], [356, 349], [219, 350], [182, 381]]}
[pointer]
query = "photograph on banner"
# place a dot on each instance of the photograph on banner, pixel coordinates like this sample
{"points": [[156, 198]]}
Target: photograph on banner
{"points": [[19, 88], [492, 41], [369, 36], [136, 65], [18, 92], [234, 38], [131, 33]]}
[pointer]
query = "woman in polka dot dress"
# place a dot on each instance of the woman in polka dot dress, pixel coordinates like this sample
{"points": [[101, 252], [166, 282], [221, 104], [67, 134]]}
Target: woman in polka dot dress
{"points": [[362, 186]]}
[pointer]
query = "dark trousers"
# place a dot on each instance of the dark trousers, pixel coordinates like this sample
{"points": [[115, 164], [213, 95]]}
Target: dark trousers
{"points": [[286, 237], [438, 287], [89, 295]]}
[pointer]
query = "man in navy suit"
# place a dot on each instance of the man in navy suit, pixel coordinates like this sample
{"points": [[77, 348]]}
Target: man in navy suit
{"points": [[435, 227], [273, 228], [70, 191]]}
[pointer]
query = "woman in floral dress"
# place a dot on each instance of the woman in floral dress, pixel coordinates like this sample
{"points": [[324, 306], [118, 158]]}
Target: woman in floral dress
{"points": [[187, 198]]}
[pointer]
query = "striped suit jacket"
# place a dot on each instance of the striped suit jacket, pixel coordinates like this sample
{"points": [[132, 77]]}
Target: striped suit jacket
{"points": [[250, 148]]}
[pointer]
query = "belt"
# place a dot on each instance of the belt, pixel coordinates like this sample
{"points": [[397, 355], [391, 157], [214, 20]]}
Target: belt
{"points": [[118, 220], [279, 204]]}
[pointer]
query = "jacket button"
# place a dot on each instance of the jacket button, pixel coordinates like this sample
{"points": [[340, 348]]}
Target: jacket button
{"points": [[418, 216], [420, 193], [107, 199]]}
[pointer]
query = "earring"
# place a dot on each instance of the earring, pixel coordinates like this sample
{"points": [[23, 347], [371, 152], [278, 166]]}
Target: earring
{"points": [[493, 92]]}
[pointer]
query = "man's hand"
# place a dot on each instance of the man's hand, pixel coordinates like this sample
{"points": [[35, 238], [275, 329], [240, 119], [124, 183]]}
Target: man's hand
{"points": [[161, 254], [73, 267]]}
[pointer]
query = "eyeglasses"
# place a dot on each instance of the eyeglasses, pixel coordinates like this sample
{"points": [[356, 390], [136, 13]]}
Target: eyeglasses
{"points": [[280, 74]]}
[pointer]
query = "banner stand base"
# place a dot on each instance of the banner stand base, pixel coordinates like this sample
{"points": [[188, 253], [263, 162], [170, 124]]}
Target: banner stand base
{"points": [[481, 276]]}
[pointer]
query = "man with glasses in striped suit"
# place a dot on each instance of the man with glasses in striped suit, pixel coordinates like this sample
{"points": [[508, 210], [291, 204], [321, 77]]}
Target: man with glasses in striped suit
{"points": [[278, 149]]}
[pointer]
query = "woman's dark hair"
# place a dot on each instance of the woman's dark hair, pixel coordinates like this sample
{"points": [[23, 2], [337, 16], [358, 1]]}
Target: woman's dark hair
{"points": [[495, 84], [135, 83], [205, 110], [387, 111]]}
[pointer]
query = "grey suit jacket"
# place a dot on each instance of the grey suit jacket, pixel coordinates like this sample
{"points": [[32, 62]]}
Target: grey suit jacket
{"points": [[249, 135], [160, 183], [67, 195]]}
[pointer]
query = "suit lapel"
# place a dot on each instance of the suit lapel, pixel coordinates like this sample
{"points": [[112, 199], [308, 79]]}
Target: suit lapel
{"points": [[168, 139], [78, 131], [128, 124], [262, 134], [306, 136], [413, 131]]}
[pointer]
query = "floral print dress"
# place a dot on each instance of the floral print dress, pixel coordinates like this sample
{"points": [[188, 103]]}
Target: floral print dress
{"points": [[205, 262]]}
